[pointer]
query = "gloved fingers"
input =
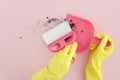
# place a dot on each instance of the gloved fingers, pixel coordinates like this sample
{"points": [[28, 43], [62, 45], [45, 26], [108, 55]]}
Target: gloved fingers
{"points": [[72, 51], [73, 58], [98, 36], [74, 55], [109, 39], [111, 42], [103, 41], [110, 47], [93, 46], [58, 53], [66, 49]]}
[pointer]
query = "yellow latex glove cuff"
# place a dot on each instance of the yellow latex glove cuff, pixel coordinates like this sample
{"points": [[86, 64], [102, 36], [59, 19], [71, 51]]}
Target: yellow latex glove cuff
{"points": [[58, 65], [98, 54]]}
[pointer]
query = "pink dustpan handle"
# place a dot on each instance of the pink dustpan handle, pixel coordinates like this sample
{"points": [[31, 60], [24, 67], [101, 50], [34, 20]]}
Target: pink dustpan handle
{"points": [[61, 42], [97, 41]]}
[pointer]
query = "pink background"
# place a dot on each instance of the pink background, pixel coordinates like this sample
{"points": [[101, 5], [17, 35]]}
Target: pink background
{"points": [[20, 58]]}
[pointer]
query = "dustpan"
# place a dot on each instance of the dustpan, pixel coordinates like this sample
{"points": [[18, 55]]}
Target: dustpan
{"points": [[84, 32]]}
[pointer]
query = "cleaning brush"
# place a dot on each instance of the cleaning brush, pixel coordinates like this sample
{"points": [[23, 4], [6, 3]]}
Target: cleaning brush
{"points": [[58, 37]]}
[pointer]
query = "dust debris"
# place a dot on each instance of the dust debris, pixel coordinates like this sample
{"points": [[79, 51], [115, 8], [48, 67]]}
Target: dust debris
{"points": [[20, 37]]}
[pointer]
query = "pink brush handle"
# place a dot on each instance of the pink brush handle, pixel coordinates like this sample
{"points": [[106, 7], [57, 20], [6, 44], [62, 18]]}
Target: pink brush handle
{"points": [[62, 42], [97, 41]]}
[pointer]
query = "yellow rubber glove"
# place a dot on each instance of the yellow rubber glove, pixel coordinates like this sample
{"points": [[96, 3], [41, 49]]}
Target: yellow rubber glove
{"points": [[98, 54], [58, 65]]}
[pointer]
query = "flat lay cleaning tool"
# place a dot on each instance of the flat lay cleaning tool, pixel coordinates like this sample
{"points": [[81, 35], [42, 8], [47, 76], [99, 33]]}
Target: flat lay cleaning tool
{"points": [[84, 32], [98, 54], [58, 66], [58, 37]]}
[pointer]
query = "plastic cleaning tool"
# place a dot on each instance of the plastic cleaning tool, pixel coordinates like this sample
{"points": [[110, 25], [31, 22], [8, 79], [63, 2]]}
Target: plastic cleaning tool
{"points": [[84, 32], [58, 37]]}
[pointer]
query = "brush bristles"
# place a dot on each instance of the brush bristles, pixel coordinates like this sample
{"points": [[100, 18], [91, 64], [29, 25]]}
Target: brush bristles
{"points": [[57, 32]]}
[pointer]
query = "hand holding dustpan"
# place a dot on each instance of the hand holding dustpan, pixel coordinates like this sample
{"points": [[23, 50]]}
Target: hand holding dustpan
{"points": [[84, 33]]}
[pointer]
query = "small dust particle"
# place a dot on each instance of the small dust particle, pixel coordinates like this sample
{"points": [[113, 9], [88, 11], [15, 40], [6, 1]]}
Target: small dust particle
{"points": [[65, 19], [20, 37], [49, 21], [70, 20], [72, 25], [47, 17], [81, 31]]}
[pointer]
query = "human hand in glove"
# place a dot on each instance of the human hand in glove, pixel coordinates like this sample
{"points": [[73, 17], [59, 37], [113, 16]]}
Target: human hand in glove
{"points": [[98, 54], [58, 66]]}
